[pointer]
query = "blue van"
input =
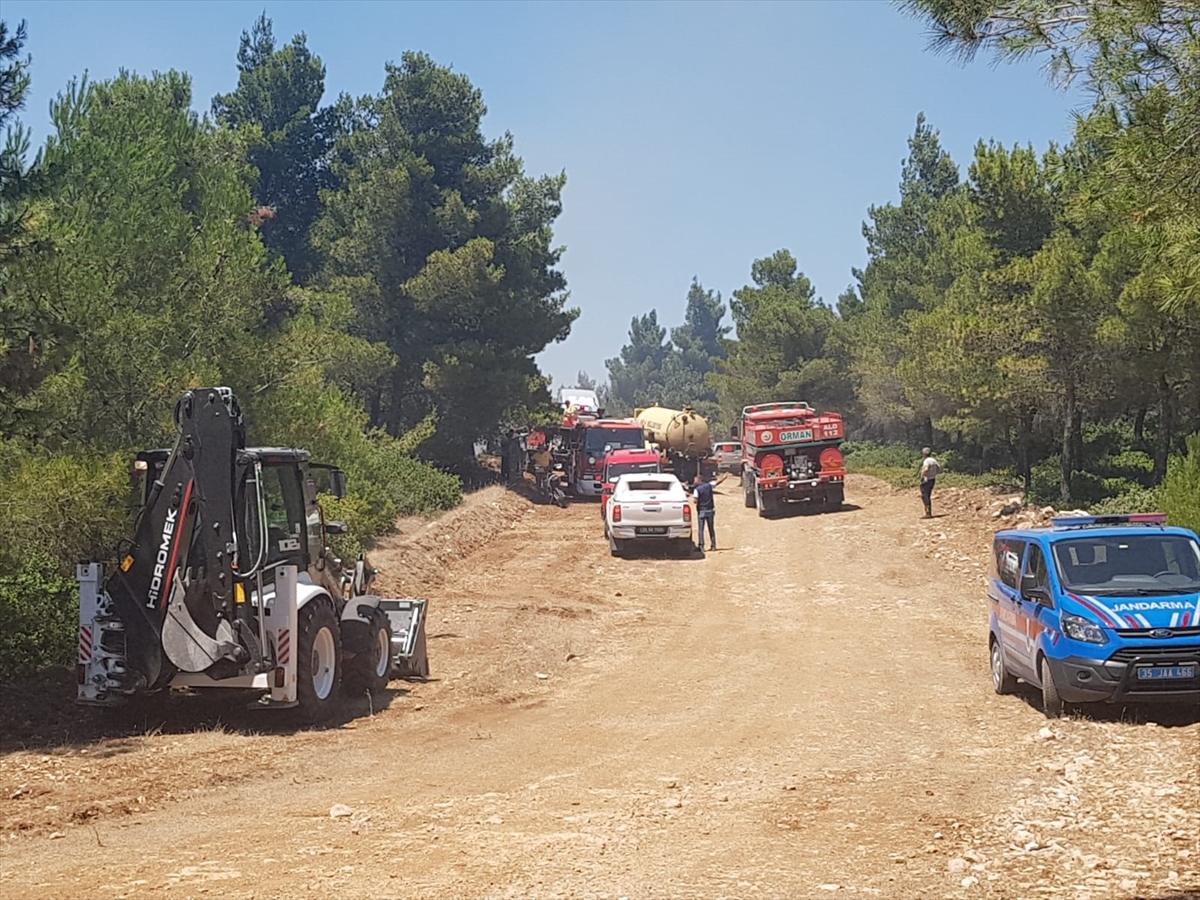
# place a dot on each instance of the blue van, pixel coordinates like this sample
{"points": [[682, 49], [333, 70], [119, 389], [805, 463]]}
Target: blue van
{"points": [[1097, 609]]}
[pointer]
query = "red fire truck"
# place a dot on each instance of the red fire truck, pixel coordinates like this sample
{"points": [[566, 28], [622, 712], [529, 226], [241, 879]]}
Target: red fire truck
{"points": [[790, 454], [591, 441]]}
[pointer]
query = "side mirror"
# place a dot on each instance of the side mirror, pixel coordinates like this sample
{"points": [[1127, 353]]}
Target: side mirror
{"points": [[607, 490], [337, 483], [333, 526], [1031, 590]]}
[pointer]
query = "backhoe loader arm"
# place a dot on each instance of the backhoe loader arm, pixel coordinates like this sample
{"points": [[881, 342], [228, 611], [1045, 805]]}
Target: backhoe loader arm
{"points": [[174, 590]]}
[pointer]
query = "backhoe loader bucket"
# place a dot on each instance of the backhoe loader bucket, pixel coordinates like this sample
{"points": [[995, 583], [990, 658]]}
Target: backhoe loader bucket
{"points": [[409, 656]]}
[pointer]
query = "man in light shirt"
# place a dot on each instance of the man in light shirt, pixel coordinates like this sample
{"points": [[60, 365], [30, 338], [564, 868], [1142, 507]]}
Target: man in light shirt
{"points": [[929, 472]]}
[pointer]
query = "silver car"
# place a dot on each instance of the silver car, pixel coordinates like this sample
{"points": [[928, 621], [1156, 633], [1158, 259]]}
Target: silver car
{"points": [[728, 455]]}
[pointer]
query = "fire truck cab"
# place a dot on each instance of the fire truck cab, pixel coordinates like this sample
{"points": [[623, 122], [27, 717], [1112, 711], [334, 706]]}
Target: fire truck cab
{"points": [[594, 441]]}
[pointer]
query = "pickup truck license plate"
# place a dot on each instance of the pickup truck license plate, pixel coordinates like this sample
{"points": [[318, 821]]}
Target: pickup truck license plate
{"points": [[1165, 673], [650, 529]]}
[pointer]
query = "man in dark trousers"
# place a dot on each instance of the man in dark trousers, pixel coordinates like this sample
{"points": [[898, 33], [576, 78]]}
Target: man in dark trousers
{"points": [[930, 469], [706, 510], [506, 444]]}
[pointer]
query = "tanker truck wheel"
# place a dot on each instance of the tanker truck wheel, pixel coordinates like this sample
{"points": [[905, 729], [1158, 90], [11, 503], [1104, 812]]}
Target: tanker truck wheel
{"points": [[835, 496], [318, 661], [768, 503]]}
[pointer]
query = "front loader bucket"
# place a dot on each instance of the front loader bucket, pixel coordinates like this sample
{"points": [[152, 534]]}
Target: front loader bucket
{"points": [[409, 656]]}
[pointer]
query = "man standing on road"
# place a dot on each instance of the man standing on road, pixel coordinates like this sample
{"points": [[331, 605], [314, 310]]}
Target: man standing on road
{"points": [[929, 473], [506, 443], [706, 510]]}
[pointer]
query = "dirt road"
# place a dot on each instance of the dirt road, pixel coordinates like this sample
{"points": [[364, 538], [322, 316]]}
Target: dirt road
{"points": [[805, 712]]}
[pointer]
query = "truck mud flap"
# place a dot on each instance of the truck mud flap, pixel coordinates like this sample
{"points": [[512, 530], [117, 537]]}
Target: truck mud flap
{"points": [[409, 656]]}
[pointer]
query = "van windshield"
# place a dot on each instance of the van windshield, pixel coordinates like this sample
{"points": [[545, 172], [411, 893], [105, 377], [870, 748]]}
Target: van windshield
{"points": [[616, 470], [1129, 564]]}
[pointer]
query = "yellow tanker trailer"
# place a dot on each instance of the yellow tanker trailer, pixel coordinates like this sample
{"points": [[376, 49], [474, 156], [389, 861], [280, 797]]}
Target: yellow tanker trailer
{"points": [[683, 439]]}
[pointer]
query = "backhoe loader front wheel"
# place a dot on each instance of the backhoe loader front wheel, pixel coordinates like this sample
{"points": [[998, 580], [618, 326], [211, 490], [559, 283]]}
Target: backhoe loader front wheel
{"points": [[319, 662], [371, 668]]}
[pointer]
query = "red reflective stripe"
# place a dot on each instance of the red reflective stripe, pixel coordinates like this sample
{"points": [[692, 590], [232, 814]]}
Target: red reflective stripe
{"points": [[170, 573]]}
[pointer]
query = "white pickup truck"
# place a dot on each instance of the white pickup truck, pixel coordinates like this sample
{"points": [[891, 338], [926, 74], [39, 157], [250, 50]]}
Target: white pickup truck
{"points": [[648, 509]]}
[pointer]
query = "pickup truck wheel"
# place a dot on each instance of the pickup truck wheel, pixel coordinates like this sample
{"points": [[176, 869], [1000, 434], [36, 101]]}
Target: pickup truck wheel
{"points": [[318, 661], [370, 669], [1002, 682], [1052, 703], [616, 547]]}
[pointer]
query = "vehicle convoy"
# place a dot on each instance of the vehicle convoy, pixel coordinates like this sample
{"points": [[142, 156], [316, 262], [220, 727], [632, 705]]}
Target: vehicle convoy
{"points": [[1096, 608], [682, 437], [790, 454], [646, 510], [624, 462], [229, 581]]}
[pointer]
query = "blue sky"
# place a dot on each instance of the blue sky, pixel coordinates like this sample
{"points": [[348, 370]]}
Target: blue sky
{"points": [[696, 137]]}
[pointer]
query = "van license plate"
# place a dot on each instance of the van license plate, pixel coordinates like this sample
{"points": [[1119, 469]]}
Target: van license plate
{"points": [[650, 529], [1165, 673]]}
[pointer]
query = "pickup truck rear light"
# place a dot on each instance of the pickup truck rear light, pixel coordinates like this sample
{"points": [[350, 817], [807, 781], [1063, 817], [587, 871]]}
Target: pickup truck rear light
{"points": [[687, 512], [616, 512]]}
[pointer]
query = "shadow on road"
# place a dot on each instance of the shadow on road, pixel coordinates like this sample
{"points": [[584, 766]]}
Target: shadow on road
{"points": [[799, 510], [40, 713], [1177, 715]]}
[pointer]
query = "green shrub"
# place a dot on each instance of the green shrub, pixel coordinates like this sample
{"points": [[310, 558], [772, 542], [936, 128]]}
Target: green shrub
{"points": [[1086, 487], [39, 617], [861, 455], [1134, 499], [67, 508], [1133, 465], [1179, 494], [1045, 478], [1102, 440]]}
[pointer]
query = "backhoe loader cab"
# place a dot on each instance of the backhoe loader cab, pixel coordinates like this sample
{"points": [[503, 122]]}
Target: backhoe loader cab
{"points": [[296, 529], [229, 580]]}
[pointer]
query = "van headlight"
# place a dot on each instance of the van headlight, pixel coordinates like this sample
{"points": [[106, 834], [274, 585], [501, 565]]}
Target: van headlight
{"points": [[1078, 628]]}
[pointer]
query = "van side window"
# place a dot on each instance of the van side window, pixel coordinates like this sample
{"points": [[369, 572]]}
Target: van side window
{"points": [[1036, 566], [1008, 553]]}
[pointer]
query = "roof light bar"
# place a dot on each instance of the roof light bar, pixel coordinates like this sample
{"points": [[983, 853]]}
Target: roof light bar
{"points": [[1148, 518], [1119, 519]]}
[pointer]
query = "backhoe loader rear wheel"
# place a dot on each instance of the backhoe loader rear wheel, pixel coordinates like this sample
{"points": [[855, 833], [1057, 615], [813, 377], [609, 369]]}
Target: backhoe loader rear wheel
{"points": [[319, 661], [370, 669]]}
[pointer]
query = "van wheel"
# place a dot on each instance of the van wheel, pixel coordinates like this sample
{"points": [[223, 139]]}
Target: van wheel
{"points": [[371, 669], [1052, 703], [318, 661], [1002, 682]]}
